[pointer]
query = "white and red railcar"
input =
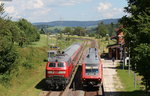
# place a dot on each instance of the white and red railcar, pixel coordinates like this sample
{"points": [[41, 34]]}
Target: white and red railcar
{"points": [[59, 68], [92, 68]]}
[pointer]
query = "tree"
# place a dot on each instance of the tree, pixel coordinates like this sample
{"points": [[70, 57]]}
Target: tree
{"points": [[137, 36], [30, 33], [1, 10], [15, 31], [142, 57], [102, 30], [68, 31], [80, 31], [42, 31], [111, 28], [7, 49]]}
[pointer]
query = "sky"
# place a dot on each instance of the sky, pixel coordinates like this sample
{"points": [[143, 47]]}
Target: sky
{"points": [[54, 10]]}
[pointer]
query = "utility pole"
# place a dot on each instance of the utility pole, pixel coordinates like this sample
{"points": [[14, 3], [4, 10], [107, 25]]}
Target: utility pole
{"points": [[48, 40], [129, 62], [134, 79], [47, 34], [122, 56]]}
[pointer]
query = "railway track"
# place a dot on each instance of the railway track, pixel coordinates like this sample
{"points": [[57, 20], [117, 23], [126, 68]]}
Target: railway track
{"points": [[71, 86], [48, 93], [74, 88], [78, 90], [91, 93], [54, 93], [67, 89], [94, 91]]}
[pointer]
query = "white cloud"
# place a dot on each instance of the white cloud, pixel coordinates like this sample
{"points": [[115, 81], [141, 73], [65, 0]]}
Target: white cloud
{"points": [[39, 15], [107, 10], [51, 0], [12, 12], [42, 12], [113, 12], [10, 9], [38, 4], [33, 4], [68, 3], [104, 6], [72, 2]]}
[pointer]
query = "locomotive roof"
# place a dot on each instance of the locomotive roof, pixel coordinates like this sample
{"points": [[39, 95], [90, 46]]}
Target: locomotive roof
{"points": [[92, 57], [68, 52]]}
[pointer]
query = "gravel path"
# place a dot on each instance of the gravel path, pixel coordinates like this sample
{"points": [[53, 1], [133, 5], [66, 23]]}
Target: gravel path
{"points": [[111, 82]]}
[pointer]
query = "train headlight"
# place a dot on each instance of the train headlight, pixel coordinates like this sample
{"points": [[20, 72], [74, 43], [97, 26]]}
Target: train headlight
{"points": [[49, 72], [61, 72]]}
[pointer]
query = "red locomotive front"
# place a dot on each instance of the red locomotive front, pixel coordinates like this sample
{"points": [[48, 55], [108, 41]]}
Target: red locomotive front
{"points": [[92, 69], [57, 74]]}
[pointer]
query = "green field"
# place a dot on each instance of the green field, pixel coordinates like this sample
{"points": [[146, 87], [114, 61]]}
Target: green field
{"points": [[41, 43]]}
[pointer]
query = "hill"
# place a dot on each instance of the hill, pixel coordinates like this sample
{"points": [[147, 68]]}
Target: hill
{"points": [[77, 23]]}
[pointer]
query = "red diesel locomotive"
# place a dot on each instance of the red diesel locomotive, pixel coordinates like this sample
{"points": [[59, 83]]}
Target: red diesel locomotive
{"points": [[92, 69], [60, 67]]}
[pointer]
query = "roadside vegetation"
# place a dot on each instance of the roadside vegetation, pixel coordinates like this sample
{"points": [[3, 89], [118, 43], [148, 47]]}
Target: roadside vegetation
{"points": [[131, 83], [12, 35]]}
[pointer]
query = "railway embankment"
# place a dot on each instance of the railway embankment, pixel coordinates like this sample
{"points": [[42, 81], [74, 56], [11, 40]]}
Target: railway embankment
{"points": [[26, 78]]}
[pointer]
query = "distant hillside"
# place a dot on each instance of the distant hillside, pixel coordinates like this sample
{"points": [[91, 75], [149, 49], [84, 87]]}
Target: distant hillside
{"points": [[77, 23]]}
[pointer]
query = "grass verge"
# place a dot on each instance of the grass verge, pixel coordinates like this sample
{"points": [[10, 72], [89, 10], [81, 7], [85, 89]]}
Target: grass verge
{"points": [[127, 81]]}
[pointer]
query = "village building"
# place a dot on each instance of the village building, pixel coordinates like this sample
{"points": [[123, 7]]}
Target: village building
{"points": [[116, 50]]}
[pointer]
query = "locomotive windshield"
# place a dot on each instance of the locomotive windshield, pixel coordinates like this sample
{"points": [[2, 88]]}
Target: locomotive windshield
{"points": [[91, 70], [60, 65], [52, 65]]}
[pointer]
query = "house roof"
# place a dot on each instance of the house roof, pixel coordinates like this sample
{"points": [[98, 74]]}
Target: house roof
{"points": [[114, 46]]}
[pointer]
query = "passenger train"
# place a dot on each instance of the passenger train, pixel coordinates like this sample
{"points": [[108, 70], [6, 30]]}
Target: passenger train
{"points": [[92, 68], [60, 66]]}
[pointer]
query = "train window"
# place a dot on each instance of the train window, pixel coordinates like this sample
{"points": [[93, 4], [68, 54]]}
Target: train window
{"points": [[61, 65], [91, 70], [52, 65]]}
